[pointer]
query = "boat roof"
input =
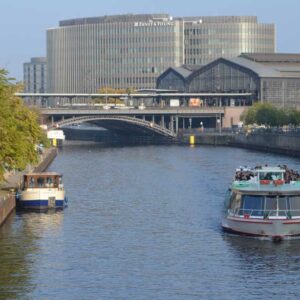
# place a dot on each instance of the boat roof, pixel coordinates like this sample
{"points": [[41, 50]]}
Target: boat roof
{"points": [[253, 188], [270, 170], [43, 174]]}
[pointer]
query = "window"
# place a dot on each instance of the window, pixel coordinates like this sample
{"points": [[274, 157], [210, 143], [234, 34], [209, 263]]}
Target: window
{"points": [[283, 206], [252, 205], [271, 206], [294, 205]]}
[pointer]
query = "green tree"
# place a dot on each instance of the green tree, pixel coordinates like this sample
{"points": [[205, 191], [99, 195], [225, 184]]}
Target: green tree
{"points": [[265, 114], [109, 90], [19, 128], [293, 117]]}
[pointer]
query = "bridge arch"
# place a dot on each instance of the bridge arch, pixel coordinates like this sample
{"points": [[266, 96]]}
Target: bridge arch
{"points": [[149, 126]]}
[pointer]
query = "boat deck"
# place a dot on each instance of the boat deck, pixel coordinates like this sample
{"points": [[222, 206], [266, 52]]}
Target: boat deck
{"points": [[246, 186]]}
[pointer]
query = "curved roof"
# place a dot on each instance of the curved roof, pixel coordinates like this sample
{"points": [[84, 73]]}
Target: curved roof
{"points": [[267, 66], [183, 71], [273, 57], [260, 69]]}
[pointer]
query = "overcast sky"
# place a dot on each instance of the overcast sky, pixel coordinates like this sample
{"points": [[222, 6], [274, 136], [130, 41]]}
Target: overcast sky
{"points": [[23, 23]]}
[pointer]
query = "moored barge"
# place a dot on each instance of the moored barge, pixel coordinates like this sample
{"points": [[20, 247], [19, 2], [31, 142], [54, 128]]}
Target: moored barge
{"points": [[42, 191]]}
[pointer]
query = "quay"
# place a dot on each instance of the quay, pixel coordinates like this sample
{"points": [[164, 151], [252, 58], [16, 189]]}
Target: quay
{"points": [[275, 141], [14, 181]]}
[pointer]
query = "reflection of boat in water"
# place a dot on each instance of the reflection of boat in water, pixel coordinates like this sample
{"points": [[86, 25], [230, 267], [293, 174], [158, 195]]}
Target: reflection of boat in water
{"points": [[262, 203], [42, 191]]}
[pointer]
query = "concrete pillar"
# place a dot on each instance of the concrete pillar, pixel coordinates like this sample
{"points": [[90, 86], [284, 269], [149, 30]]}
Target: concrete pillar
{"points": [[177, 123], [144, 118], [153, 119], [172, 123], [162, 121], [52, 120]]}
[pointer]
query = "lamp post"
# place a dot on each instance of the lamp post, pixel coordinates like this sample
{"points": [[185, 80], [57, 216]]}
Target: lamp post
{"points": [[219, 125], [201, 126]]}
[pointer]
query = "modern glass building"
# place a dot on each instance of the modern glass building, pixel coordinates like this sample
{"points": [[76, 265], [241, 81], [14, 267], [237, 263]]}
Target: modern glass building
{"points": [[126, 51], [112, 51], [208, 38]]}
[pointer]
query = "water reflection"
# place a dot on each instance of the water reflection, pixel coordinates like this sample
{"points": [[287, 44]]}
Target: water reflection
{"points": [[40, 222], [276, 256], [15, 246], [19, 241]]}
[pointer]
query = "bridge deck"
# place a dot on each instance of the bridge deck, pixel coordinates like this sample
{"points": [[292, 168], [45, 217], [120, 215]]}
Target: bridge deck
{"points": [[131, 112]]}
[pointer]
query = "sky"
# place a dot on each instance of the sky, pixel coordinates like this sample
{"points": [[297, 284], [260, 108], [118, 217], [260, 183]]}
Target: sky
{"points": [[23, 23]]}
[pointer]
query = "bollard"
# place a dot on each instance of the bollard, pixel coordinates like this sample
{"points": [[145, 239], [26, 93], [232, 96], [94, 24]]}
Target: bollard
{"points": [[192, 140]]}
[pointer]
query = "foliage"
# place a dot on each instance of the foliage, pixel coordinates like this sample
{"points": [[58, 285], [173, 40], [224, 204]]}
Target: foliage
{"points": [[109, 90], [19, 128], [269, 115]]}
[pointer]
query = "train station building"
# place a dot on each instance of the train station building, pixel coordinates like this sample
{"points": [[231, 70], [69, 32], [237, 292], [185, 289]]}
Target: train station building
{"points": [[265, 77]]}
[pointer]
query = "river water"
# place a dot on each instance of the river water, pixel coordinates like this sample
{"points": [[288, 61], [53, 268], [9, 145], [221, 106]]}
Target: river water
{"points": [[144, 223]]}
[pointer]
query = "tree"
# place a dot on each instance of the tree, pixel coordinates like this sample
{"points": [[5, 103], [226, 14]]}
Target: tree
{"points": [[19, 128], [265, 114], [109, 90]]}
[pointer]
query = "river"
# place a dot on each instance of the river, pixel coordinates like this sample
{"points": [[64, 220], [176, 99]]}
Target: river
{"points": [[144, 223]]}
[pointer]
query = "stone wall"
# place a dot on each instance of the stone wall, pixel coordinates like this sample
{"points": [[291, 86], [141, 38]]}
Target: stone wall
{"points": [[284, 143]]}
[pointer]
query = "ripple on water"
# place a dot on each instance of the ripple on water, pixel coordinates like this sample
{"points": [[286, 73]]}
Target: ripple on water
{"points": [[144, 223]]}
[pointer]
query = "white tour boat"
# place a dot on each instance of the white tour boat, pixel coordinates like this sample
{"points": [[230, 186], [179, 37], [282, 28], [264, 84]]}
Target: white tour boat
{"points": [[264, 202], [42, 191]]}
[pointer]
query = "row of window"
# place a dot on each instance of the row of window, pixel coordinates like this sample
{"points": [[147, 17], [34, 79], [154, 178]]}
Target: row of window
{"points": [[266, 206]]}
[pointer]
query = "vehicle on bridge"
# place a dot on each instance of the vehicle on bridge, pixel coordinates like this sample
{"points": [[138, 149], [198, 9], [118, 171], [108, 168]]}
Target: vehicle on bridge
{"points": [[264, 202], [42, 191]]}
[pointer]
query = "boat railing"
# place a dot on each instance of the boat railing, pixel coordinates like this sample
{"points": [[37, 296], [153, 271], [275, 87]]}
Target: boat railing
{"points": [[266, 214]]}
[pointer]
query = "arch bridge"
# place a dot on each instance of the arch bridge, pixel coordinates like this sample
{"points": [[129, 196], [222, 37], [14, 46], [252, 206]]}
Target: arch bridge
{"points": [[118, 123]]}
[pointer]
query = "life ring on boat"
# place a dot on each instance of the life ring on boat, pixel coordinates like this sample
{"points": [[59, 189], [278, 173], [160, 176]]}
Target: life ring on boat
{"points": [[278, 182], [265, 181]]}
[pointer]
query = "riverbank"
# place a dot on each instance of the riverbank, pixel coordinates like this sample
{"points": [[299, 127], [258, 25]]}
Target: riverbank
{"points": [[280, 143], [14, 181]]}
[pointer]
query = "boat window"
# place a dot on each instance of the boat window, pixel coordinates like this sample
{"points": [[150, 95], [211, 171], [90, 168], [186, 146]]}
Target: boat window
{"points": [[282, 206], [49, 182], [271, 206], [31, 182], [270, 176], [252, 205], [40, 181], [235, 202], [294, 205]]}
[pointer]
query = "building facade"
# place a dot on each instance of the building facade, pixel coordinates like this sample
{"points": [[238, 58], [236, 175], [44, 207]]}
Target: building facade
{"points": [[35, 75], [130, 51], [272, 78], [208, 38], [85, 55]]}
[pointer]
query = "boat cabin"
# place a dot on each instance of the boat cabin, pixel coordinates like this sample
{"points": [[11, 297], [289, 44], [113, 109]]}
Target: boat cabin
{"points": [[43, 180], [267, 175]]}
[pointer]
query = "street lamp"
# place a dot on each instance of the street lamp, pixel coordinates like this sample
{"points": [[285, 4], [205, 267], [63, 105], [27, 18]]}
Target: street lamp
{"points": [[201, 126], [219, 125]]}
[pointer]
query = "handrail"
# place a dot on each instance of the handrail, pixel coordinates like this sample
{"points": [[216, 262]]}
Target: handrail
{"points": [[248, 213]]}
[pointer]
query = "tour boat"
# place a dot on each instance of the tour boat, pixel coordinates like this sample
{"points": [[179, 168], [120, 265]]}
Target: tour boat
{"points": [[264, 202], [42, 191]]}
